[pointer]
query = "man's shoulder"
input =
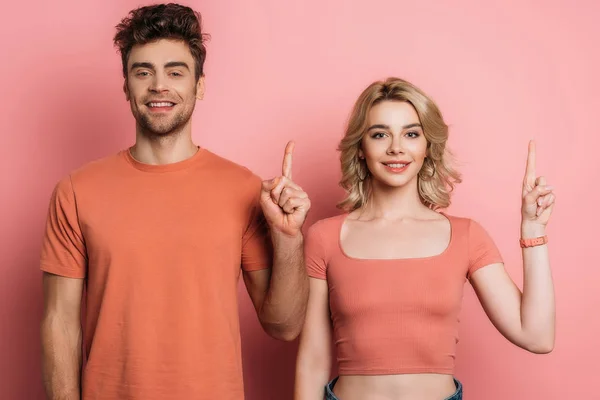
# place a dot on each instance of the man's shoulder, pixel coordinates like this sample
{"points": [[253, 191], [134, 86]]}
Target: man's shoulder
{"points": [[229, 169], [91, 169], [88, 174]]}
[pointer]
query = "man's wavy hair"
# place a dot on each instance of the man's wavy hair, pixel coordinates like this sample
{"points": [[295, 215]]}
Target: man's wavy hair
{"points": [[436, 179], [162, 21]]}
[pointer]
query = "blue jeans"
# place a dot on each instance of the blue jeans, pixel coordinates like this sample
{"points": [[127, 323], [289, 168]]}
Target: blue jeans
{"points": [[330, 396]]}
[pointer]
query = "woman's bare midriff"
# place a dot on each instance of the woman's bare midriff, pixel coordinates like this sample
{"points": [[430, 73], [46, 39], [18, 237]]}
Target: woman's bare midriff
{"points": [[395, 387]]}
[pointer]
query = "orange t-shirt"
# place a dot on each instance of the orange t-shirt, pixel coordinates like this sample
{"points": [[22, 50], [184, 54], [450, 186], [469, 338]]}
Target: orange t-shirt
{"points": [[397, 316], [161, 248]]}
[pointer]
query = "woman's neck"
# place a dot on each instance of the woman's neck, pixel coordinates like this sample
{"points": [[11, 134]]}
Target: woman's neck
{"points": [[394, 203]]}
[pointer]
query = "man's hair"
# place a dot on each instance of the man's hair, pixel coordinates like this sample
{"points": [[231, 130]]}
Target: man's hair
{"points": [[162, 21]]}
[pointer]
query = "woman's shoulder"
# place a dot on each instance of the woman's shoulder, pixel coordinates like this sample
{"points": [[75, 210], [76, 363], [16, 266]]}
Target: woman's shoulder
{"points": [[327, 226], [459, 222], [321, 243], [467, 225], [460, 219]]}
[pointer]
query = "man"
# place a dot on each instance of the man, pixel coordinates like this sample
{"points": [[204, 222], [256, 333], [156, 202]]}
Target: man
{"points": [[158, 235]]}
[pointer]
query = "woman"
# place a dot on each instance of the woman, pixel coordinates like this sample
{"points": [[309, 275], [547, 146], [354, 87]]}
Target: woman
{"points": [[387, 276]]}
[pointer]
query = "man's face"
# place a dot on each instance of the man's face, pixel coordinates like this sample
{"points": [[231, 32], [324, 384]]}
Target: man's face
{"points": [[161, 86]]}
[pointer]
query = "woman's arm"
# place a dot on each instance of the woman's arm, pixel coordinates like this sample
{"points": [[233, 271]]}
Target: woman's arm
{"points": [[313, 364], [527, 319]]}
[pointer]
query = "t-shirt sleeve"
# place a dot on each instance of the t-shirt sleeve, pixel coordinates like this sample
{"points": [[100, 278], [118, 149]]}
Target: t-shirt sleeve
{"points": [[314, 253], [257, 248], [63, 247], [482, 249]]}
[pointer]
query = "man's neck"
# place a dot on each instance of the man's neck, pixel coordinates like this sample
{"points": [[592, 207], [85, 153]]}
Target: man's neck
{"points": [[167, 149]]}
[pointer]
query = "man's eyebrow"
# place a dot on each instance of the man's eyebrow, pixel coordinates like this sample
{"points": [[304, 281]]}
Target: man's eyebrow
{"points": [[177, 64], [142, 65]]}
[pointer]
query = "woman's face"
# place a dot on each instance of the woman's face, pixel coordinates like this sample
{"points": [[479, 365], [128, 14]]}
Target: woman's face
{"points": [[394, 146]]}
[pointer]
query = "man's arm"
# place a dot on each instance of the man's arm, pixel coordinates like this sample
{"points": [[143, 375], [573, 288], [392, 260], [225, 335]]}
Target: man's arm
{"points": [[61, 337], [280, 295]]}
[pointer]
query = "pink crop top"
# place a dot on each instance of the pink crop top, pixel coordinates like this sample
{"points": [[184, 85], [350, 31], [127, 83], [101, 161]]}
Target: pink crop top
{"points": [[401, 315]]}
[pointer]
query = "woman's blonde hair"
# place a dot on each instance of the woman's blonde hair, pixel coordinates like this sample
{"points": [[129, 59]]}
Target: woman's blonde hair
{"points": [[436, 178]]}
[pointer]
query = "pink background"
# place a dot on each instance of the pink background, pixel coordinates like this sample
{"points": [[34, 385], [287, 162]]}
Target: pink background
{"points": [[502, 72]]}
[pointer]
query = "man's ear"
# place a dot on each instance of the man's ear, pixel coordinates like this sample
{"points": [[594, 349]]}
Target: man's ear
{"points": [[126, 90], [200, 88]]}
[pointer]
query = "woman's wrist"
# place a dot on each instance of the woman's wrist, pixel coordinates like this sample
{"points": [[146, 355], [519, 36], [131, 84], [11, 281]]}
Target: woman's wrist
{"points": [[532, 230]]}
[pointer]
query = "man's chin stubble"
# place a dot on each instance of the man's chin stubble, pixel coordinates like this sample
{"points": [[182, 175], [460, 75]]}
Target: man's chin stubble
{"points": [[156, 131]]}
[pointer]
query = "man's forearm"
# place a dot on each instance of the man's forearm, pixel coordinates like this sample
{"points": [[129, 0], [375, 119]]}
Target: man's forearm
{"points": [[284, 308], [61, 359]]}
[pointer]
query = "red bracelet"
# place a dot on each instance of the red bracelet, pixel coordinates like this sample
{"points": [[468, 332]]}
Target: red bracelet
{"points": [[538, 241]]}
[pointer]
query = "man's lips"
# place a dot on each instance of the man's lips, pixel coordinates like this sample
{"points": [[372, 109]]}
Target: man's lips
{"points": [[158, 104]]}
